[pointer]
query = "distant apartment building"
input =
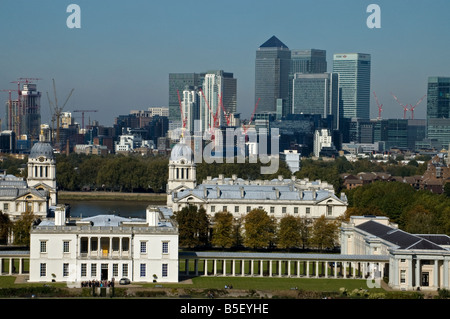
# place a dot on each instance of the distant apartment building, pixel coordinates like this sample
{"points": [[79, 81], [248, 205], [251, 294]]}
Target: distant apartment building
{"points": [[23, 115]]}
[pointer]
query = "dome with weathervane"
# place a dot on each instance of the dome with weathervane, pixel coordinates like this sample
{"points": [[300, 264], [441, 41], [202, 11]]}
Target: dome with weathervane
{"points": [[181, 152], [42, 149]]}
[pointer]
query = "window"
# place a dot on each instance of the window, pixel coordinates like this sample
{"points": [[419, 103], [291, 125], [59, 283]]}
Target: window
{"points": [[402, 276], [329, 210], [283, 210], [5, 207], [142, 270], [165, 247], [236, 209], [115, 270], [83, 270], [93, 270], [308, 210], [43, 246], [224, 209], [65, 269], [249, 208], [213, 209], [165, 270], [125, 270], [43, 270], [143, 247], [295, 210], [65, 246], [402, 260], [272, 209]]}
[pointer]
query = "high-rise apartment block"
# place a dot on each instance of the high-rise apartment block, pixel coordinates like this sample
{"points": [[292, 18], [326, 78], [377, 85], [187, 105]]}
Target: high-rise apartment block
{"points": [[24, 115], [354, 84]]}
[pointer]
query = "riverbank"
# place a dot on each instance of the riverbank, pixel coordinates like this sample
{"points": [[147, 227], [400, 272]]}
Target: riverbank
{"points": [[113, 196]]}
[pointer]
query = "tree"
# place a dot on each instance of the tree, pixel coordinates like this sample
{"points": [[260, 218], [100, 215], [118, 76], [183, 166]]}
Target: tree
{"points": [[259, 229], [22, 229], [5, 227], [325, 233], [222, 230], [419, 220], [289, 232], [193, 226]]}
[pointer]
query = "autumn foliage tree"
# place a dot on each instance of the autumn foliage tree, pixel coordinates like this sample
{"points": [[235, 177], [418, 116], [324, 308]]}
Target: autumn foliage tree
{"points": [[259, 229], [222, 235]]}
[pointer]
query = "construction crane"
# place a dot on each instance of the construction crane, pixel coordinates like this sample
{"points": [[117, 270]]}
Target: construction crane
{"points": [[251, 118], [9, 124], [57, 110], [227, 116], [19, 107], [82, 115], [380, 106], [413, 107], [405, 107], [183, 118]]}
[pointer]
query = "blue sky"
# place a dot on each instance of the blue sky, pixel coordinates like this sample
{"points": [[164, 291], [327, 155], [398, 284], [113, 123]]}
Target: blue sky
{"points": [[121, 57]]}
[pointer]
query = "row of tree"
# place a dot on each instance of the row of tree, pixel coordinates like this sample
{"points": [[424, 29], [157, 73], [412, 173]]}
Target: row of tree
{"points": [[415, 211], [256, 230]]}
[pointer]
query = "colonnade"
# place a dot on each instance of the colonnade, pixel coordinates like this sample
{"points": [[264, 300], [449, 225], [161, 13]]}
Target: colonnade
{"points": [[11, 269], [268, 266]]}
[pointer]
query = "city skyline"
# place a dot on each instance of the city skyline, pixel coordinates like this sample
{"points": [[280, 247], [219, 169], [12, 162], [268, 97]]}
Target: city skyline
{"points": [[121, 57]]}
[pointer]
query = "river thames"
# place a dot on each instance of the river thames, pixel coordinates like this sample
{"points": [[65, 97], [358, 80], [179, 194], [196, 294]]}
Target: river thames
{"points": [[96, 207]]}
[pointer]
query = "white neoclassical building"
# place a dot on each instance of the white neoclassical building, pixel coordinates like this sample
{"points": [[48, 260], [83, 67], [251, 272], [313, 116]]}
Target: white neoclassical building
{"points": [[278, 197], [104, 247], [416, 261], [37, 193]]}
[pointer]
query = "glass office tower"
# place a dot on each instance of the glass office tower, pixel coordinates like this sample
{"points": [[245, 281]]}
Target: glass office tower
{"points": [[438, 109], [354, 84], [177, 83], [308, 61], [316, 94], [438, 97], [272, 68]]}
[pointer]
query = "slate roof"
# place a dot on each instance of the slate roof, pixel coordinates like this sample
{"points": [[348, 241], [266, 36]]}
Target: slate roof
{"points": [[255, 192], [397, 237], [13, 193]]}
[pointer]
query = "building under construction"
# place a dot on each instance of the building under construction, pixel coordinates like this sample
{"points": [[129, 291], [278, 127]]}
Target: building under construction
{"points": [[23, 115]]}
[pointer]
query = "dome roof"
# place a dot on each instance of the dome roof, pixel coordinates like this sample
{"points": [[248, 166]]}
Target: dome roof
{"points": [[180, 151], [42, 149]]}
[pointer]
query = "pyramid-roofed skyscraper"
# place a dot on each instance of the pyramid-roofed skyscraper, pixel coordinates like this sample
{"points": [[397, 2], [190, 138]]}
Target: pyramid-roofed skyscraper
{"points": [[272, 67]]}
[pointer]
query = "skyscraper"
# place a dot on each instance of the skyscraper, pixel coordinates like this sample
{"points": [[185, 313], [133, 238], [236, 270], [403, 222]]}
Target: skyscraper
{"points": [[272, 67], [438, 109], [354, 84], [308, 61], [438, 97], [177, 83], [24, 115], [316, 94]]}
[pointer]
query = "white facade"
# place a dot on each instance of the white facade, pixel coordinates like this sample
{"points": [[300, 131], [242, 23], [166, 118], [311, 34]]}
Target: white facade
{"points": [[322, 138], [104, 247], [278, 197], [415, 261]]}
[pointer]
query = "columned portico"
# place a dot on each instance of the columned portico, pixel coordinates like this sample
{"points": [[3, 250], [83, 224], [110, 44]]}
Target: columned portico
{"points": [[284, 265]]}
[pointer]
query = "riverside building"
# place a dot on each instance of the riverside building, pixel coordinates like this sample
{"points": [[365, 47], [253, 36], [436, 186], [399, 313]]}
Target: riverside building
{"points": [[104, 248], [278, 197]]}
